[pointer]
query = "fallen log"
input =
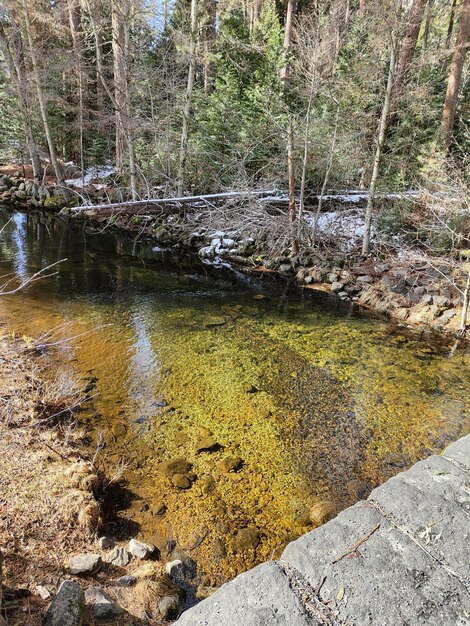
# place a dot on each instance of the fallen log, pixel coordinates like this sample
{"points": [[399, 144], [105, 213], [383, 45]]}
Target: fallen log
{"points": [[134, 207]]}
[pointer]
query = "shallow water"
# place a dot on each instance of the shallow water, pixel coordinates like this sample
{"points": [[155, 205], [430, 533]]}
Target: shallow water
{"points": [[319, 402]]}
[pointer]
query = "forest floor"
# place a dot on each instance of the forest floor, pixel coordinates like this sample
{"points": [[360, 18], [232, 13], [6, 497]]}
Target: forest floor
{"points": [[49, 507]]}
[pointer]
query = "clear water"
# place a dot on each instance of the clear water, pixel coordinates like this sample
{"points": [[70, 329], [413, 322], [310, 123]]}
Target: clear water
{"points": [[319, 402]]}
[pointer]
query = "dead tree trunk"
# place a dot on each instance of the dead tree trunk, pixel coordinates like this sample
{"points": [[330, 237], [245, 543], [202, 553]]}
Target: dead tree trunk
{"points": [[455, 74], [16, 67], [75, 21], [40, 94], [291, 175], [188, 99], [380, 143], [120, 88]]}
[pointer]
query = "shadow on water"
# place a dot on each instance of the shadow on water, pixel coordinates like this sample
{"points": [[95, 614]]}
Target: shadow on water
{"points": [[307, 398]]}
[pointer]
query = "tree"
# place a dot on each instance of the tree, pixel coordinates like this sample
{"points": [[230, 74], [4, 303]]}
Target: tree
{"points": [[455, 74], [188, 98], [414, 19], [380, 143], [16, 65]]}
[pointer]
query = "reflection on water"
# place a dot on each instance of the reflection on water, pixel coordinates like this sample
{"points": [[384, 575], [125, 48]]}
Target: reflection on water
{"points": [[317, 402]]}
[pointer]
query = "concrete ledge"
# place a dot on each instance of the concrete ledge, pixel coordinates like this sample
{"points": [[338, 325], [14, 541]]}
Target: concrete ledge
{"points": [[400, 558]]}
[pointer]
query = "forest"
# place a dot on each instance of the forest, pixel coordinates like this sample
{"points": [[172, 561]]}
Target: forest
{"points": [[211, 95]]}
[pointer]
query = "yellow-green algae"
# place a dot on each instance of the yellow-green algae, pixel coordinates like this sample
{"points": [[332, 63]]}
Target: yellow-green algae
{"points": [[317, 406]]}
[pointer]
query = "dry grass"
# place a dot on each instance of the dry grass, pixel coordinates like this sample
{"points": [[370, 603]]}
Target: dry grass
{"points": [[47, 506]]}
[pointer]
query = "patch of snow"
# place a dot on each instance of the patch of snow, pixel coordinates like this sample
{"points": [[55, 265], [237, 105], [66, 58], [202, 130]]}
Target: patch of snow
{"points": [[94, 172], [345, 227]]}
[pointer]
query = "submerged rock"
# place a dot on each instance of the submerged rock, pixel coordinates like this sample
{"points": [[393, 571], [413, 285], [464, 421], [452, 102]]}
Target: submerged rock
{"points": [[322, 512], [230, 464], [207, 444], [246, 539], [174, 466], [68, 607]]}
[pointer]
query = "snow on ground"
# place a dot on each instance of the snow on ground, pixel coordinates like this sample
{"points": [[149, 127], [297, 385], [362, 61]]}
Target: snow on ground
{"points": [[94, 172], [345, 227]]}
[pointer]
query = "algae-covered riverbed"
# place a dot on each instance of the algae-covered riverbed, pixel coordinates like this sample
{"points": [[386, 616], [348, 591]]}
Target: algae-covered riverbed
{"points": [[305, 398]]}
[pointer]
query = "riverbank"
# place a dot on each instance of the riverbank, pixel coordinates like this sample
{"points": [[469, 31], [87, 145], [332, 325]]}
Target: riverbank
{"points": [[53, 509], [405, 282]]}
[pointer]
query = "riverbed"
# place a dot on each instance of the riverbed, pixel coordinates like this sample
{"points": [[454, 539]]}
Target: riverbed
{"points": [[315, 399]]}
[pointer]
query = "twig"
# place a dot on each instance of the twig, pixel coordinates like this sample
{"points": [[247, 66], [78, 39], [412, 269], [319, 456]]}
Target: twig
{"points": [[357, 544]]}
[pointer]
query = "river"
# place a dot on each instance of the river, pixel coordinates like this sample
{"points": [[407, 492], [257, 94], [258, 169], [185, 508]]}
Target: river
{"points": [[316, 400]]}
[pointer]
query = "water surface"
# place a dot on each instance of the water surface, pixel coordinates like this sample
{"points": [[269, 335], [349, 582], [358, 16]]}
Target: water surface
{"points": [[319, 402]]}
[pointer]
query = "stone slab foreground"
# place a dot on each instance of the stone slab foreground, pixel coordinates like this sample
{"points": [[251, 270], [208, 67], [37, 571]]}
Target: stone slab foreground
{"points": [[401, 558]]}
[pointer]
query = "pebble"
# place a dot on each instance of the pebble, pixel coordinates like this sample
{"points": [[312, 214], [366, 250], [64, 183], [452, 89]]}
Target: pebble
{"points": [[322, 512], [105, 543]]}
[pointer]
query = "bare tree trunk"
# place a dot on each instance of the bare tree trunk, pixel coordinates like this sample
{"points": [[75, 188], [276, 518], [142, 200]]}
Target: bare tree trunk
{"points": [[466, 294], [455, 74], [255, 10], [209, 35], [362, 6], [16, 67], [407, 47], [120, 79], [427, 25], [327, 175], [380, 143], [291, 175], [112, 96], [450, 28], [188, 98], [291, 8], [75, 21], [41, 98]]}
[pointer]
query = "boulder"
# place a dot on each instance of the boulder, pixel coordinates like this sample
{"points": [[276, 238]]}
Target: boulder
{"points": [[140, 549], [68, 607], [84, 564], [100, 605], [126, 581]]}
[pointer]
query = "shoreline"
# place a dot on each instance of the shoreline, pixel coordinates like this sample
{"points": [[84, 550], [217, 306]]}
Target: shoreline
{"points": [[408, 289]]}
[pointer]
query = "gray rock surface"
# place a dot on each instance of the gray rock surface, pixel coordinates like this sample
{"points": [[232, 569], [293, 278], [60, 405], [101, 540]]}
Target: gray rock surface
{"points": [[84, 564], [140, 549], [261, 596], [68, 607], [169, 607], [401, 557], [100, 605], [119, 557]]}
